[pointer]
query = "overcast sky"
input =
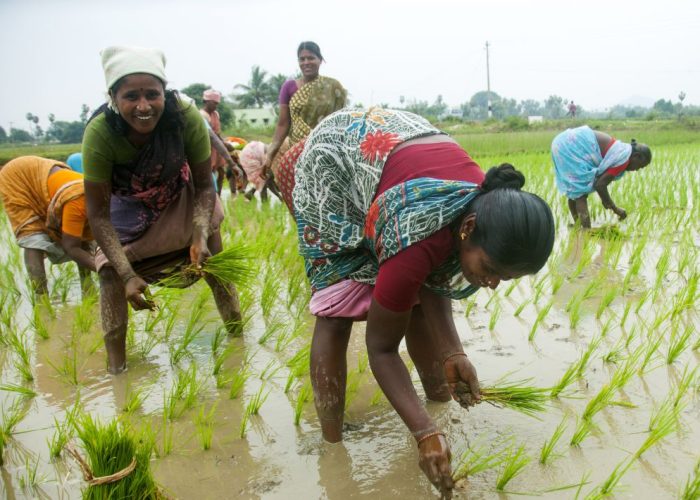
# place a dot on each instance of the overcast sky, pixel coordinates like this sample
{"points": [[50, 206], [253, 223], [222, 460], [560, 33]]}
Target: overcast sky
{"points": [[598, 53]]}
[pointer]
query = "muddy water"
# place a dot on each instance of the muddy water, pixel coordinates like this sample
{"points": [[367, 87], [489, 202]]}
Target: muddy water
{"points": [[378, 458]]}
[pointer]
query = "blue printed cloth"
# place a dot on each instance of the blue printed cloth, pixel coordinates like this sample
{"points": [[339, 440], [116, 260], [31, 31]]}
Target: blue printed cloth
{"points": [[578, 161]]}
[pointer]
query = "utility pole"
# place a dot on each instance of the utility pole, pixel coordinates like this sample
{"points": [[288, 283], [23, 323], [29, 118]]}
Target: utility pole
{"points": [[488, 82]]}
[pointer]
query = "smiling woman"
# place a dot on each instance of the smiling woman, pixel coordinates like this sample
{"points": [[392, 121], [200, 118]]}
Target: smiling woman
{"points": [[148, 186]]}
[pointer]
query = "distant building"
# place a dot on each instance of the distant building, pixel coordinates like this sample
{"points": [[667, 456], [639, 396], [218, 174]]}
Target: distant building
{"points": [[256, 117], [535, 118]]}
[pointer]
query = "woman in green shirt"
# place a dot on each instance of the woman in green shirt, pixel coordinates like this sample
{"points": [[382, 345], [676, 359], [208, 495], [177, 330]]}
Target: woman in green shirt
{"points": [[150, 199]]}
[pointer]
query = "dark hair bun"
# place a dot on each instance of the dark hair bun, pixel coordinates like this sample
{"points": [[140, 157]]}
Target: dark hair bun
{"points": [[503, 176]]}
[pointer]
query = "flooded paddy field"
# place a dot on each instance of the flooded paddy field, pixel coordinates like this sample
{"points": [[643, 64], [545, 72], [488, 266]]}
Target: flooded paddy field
{"points": [[609, 330]]}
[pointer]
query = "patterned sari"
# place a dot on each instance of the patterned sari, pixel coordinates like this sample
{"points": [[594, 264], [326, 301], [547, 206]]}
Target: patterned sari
{"points": [[311, 103], [343, 231], [578, 161]]}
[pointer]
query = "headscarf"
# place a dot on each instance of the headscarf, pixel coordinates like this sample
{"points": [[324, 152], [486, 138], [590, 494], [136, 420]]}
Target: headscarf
{"points": [[118, 62], [212, 95]]}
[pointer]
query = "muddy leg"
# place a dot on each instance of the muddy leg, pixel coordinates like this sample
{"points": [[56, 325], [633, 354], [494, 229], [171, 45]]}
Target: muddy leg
{"points": [[34, 262], [426, 358], [329, 372], [115, 315], [225, 296], [572, 209]]}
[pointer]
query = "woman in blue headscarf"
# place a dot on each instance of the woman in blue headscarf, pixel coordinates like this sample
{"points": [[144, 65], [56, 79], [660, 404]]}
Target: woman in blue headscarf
{"points": [[586, 160]]}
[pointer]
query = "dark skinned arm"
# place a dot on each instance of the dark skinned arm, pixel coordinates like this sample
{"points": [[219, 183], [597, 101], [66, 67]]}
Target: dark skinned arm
{"points": [[204, 199], [34, 262], [74, 249], [601, 187], [218, 144], [97, 201], [284, 123]]}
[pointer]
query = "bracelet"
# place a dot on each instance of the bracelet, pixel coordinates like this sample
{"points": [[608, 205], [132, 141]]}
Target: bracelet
{"points": [[453, 355], [429, 435], [128, 277]]}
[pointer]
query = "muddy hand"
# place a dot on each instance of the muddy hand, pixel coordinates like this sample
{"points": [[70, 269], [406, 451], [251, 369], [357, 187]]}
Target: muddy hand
{"points": [[462, 381], [136, 291], [434, 460], [199, 252], [621, 213]]}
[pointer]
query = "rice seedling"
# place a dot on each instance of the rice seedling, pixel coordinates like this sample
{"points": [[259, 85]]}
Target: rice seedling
{"points": [[85, 316], [684, 384], [649, 352], [270, 369], [641, 301], [625, 313], [256, 402], [243, 428], [38, 324], [605, 301], [608, 486], [134, 401], [575, 312], [23, 391], [541, 314], [19, 343], [269, 295], [298, 365], [286, 337], [495, 313], [691, 489], [549, 444], [475, 460], [274, 327], [520, 307], [469, 305], [586, 356], [194, 327], [362, 362], [238, 380], [662, 423], [582, 431], [183, 394], [513, 464], [302, 397], [557, 280], [204, 421], [166, 430], [63, 431], [113, 449], [678, 343], [516, 395], [510, 288], [565, 381]]}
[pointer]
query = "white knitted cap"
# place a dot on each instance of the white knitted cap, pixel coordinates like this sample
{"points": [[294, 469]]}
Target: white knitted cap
{"points": [[118, 62]]}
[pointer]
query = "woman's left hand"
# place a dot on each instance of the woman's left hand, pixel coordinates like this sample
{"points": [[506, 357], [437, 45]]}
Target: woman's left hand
{"points": [[462, 380], [199, 252]]}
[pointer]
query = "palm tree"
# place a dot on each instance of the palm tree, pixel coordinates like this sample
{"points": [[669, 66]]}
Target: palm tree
{"points": [[275, 83], [256, 92]]}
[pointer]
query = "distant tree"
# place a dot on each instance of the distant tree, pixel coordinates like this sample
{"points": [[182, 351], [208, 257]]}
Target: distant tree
{"points": [[554, 107], [194, 91], [479, 104], [66, 132], [3, 135], [20, 135], [418, 107], [664, 107], [84, 113], [256, 93], [530, 107], [439, 107], [275, 83], [34, 125]]}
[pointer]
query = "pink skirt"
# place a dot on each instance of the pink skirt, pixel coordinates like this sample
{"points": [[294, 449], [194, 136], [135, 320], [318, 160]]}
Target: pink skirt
{"points": [[345, 299]]}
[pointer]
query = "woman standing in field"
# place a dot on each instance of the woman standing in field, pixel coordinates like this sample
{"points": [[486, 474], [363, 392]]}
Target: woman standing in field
{"points": [[303, 103], [45, 202], [394, 220], [586, 160], [148, 185]]}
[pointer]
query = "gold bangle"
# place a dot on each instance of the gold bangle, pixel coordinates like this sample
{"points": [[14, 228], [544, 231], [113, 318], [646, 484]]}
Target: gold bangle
{"points": [[453, 355], [429, 435]]}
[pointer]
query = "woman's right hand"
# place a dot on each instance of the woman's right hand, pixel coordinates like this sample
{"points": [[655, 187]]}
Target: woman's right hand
{"points": [[434, 459], [135, 289], [267, 167]]}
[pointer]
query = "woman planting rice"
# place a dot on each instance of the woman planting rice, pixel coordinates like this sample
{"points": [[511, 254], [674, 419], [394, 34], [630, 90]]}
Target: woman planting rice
{"points": [[45, 202], [586, 160], [303, 103], [395, 219], [150, 198]]}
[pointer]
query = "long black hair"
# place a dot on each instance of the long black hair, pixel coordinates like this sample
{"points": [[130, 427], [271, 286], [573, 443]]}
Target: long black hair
{"points": [[513, 227], [172, 118]]}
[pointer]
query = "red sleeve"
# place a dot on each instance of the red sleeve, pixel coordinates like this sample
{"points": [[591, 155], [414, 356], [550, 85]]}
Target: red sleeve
{"points": [[401, 277], [615, 171]]}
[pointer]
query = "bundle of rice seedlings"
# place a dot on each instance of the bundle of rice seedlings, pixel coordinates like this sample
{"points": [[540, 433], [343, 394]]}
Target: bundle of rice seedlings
{"points": [[232, 266], [117, 464], [517, 395]]}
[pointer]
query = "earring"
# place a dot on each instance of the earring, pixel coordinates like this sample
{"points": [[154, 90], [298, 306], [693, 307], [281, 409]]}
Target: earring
{"points": [[463, 236]]}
